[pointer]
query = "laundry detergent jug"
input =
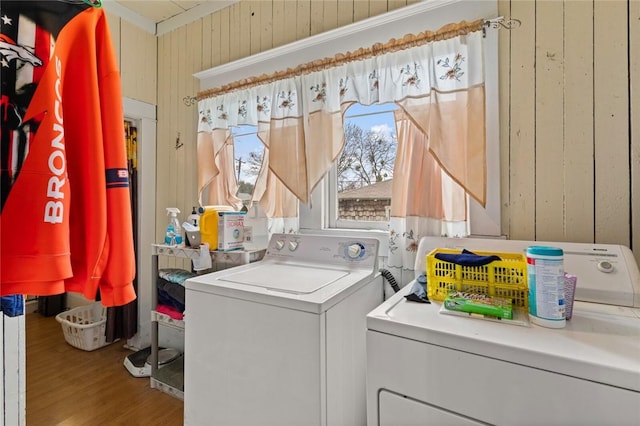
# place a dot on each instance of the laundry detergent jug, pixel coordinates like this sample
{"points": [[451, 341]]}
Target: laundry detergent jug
{"points": [[209, 224]]}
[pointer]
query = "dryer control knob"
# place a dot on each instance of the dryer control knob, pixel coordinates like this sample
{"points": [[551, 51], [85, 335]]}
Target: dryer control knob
{"points": [[279, 244], [354, 251], [605, 266], [293, 245]]}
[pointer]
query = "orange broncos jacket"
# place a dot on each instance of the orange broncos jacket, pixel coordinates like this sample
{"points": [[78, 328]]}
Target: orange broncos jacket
{"points": [[66, 215]]}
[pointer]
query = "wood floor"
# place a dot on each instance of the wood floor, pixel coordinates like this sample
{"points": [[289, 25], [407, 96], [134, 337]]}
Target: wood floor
{"points": [[69, 386]]}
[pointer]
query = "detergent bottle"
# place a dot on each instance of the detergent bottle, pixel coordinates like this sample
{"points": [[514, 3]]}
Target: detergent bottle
{"points": [[194, 217], [209, 224], [173, 235], [194, 220]]}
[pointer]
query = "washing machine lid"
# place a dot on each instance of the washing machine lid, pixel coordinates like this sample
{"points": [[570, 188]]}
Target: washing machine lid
{"points": [[301, 286], [600, 343], [287, 278]]}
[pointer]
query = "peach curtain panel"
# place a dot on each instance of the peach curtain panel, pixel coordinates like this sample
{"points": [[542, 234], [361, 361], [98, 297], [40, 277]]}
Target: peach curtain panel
{"points": [[276, 201], [439, 197], [216, 174], [426, 200], [436, 78]]}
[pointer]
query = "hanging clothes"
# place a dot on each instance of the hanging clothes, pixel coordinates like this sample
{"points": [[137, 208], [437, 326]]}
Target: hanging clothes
{"points": [[66, 214], [122, 321], [12, 306]]}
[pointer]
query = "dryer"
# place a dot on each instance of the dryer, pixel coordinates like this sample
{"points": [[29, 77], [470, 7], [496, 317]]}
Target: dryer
{"points": [[424, 367], [282, 341]]}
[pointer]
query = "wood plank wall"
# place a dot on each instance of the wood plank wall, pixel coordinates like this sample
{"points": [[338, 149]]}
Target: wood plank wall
{"points": [[569, 121], [634, 110], [569, 102]]}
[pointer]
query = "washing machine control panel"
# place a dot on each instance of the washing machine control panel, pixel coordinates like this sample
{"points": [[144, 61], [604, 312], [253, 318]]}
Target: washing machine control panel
{"points": [[325, 249]]}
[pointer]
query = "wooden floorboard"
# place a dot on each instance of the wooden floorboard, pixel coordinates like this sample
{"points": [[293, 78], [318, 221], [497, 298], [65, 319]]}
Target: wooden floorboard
{"points": [[68, 386]]}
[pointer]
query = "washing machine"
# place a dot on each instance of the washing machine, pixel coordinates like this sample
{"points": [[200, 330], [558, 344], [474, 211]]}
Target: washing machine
{"points": [[428, 368], [282, 341]]}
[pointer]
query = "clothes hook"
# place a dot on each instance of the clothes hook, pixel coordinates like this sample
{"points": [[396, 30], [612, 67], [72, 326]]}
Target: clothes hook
{"points": [[189, 100], [178, 143]]}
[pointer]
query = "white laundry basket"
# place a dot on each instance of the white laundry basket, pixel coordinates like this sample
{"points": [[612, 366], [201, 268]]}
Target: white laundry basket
{"points": [[84, 326]]}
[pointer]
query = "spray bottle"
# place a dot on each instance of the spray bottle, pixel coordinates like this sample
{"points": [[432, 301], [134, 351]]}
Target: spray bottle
{"points": [[173, 235]]}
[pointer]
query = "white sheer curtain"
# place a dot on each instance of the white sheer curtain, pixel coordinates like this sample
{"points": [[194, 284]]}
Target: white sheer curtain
{"points": [[438, 84]]}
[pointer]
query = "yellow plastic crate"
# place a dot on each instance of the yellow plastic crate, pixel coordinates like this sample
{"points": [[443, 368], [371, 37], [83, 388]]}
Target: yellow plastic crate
{"points": [[506, 278]]}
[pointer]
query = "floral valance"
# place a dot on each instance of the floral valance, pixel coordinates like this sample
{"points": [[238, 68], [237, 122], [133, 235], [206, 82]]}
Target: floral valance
{"points": [[440, 85]]}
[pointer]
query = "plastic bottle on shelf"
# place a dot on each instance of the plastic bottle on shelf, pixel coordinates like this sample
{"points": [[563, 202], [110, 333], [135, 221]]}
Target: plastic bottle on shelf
{"points": [[209, 224], [173, 235], [194, 217], [194, 220]]}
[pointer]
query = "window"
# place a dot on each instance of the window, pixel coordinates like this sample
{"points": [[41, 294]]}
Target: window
{"points": [[364, 170], [248, 152]]}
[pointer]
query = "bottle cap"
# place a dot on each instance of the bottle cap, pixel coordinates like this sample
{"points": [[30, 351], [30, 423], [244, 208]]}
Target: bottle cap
{"points": [[544, 251]]}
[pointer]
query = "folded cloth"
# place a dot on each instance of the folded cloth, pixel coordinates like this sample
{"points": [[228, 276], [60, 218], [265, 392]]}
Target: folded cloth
{"points": [[168, 310], [13, 305], [467, 258], [171, 294], [175, 275], [418, 292]]}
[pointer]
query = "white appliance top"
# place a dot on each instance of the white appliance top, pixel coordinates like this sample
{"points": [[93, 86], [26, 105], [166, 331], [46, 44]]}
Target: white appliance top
{"points": [[601, 342], [606, 273], [299, 271]]}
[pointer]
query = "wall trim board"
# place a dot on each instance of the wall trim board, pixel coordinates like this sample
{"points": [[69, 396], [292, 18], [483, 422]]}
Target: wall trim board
{"points": [[144, 114]]}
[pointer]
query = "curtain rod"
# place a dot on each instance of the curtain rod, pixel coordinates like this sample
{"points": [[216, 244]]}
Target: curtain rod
{"points": [[408, 41]]}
